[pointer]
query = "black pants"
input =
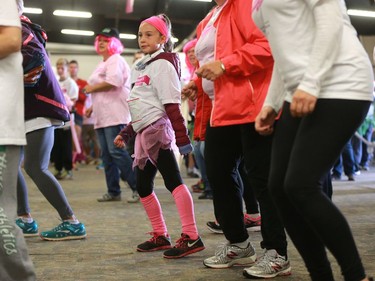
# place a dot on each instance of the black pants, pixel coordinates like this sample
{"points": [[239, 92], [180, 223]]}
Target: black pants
{"points": [[224, 148], [168, 167], [303, 152], [63, 149]]}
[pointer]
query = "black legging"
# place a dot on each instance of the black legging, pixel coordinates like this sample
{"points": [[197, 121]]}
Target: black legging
{"points": [[168, 167], [304, 149]]}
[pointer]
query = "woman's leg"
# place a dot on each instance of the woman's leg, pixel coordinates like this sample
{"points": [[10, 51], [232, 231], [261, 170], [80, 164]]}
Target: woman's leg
{"points": [[222, 154], [37, 153], [308, 147]]}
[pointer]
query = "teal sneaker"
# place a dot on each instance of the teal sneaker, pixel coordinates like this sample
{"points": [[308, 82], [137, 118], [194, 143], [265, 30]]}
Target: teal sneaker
{"points": [[65, 231], [28, 229]]}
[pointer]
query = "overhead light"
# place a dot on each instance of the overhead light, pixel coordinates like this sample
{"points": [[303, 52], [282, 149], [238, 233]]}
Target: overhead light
{"points": [[74, 14], [128, 36], [361, 13], [32, 11], [77, 32], [174, 40]]}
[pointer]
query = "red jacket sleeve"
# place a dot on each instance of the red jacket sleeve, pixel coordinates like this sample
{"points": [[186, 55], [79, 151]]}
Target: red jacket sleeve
{"points": [[178, 124]]}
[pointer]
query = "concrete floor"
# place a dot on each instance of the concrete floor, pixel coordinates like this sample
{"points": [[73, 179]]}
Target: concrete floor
{"points": [[114, 229]]}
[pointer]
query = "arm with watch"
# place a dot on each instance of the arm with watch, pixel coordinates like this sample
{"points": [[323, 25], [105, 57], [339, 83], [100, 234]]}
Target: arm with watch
{"points": [[211, 70]]}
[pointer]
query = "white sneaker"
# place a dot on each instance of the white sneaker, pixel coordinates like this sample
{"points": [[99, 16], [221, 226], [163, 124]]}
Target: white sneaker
{"points": [[269, 265], [228, 255], [134, 198]]}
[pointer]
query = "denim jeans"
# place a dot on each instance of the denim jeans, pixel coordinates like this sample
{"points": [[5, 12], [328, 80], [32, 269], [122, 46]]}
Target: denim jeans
{"points": [[117, 161], [345, 161], [199, 158]]}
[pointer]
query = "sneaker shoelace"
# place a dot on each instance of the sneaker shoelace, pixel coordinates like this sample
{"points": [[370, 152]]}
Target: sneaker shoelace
{"points": [[222, 250], [264, 261], [182, 241]]}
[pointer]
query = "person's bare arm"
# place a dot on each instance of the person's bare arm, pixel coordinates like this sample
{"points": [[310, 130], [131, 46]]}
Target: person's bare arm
{"points": [[10, 40]]}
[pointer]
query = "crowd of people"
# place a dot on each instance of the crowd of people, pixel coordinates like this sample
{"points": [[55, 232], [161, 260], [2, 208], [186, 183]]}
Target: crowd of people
{"points": [[256, 102]]}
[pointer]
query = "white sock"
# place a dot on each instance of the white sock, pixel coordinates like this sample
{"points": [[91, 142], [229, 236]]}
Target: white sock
{"points": [[27, 219], [242, 245]]}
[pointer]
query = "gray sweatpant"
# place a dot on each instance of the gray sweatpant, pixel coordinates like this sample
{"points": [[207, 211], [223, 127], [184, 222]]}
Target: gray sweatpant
{"points": [[37, 155], [15, 264]]}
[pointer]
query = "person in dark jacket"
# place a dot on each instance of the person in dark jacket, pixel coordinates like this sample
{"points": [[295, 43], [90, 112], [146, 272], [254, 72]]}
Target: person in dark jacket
{"points": [[45, 109]]}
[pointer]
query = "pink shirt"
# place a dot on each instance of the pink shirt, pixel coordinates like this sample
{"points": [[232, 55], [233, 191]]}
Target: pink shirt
{"points": [[110, 107]]}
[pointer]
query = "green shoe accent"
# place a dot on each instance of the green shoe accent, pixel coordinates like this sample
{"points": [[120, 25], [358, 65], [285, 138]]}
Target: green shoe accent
{"points": [[65, 231]]}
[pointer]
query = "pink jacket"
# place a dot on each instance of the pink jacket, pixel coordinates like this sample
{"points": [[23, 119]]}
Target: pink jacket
{"points": [[246, 55]]}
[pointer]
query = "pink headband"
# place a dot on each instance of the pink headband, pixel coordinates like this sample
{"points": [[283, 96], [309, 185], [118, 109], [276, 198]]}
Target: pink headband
{"points": [[159, 24], [189, 45]]}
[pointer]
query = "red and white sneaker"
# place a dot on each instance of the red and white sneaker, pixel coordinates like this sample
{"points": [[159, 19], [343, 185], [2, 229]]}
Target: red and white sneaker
{"points": [[252, 224]]}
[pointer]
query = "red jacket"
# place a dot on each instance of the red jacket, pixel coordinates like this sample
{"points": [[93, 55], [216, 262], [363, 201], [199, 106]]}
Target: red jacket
{"points": [[203, 109], [246, 55]]}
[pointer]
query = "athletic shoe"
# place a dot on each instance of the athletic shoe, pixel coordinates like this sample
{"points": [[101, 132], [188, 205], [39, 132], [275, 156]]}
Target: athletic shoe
{"points": [[156, 243], [65, 231], [228, 255], [60, 175], [214, 227], [134, 198], [252, 224], [108, 197], [184, 246], [28, 229], [69, 175], [198, 187], [270, 265]]}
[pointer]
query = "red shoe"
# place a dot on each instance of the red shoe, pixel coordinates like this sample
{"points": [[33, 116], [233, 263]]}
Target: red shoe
{"points": [[252, 224]]}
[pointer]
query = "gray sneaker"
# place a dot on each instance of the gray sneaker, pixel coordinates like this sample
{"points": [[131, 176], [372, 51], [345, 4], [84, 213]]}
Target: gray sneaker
{"points": [[228, 255], [269, 265], [134, 198], [108, 197]]}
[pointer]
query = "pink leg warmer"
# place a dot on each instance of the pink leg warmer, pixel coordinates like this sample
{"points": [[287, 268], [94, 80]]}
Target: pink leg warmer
{"points": [[155, 214], [185, 207]]}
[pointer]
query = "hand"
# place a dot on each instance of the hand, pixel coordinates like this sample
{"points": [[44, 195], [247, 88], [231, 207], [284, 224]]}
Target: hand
{"points": [[119, 142], [211, 70], [265, 120], [88, 112], [190, 91], [302, 104], [87, 89]]}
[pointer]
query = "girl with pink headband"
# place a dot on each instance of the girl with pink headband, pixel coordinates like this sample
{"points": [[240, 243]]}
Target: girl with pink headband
{"points": [[157, 124]]}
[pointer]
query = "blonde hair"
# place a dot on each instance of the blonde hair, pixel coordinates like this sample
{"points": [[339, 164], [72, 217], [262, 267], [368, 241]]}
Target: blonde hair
{"points": [[62, 61]]}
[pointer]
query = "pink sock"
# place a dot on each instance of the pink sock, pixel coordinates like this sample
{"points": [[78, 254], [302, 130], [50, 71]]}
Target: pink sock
{"points": [[185, 207], [155, 214]]}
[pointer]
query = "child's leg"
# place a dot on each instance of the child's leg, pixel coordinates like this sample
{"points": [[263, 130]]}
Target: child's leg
{"points": [[168, 167], [145, 186]]}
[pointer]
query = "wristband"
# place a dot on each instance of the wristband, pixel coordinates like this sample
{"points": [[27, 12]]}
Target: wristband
{"points": [[222, 66]]}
